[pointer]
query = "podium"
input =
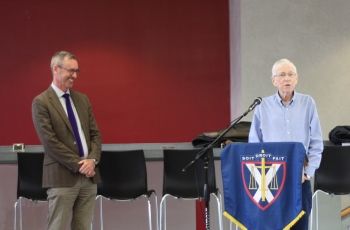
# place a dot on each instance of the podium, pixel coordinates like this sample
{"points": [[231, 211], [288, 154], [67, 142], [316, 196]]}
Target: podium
{"points": [[262, 184]]}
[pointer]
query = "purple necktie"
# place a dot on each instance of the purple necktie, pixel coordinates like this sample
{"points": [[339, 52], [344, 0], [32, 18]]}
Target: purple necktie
{"points": [[73, 123]]}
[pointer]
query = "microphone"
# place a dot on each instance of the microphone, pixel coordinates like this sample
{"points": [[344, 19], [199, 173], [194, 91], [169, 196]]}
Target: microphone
{"points": [[256, 102]]}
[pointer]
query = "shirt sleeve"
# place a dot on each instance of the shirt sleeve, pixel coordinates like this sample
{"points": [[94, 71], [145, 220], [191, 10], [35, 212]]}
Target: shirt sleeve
{"points": [[255, 131], [315, 150]]}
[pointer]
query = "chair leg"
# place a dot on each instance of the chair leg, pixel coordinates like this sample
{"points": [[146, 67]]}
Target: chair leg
{"points": [[231, 226], [221, 211], [15, 216], [18, 203], [93, 220], [313, 206], [315, 210], [149, 214], [316, 205], [20, 214], [101, 213], [218, 203], [156, 205], [162, 213]]}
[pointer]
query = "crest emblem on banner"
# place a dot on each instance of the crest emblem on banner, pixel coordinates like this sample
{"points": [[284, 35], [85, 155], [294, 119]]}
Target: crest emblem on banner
{"points": [[263, 178]]}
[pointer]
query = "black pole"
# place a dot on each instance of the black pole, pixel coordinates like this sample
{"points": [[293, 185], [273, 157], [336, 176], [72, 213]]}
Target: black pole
{"points": [[206, 193], [203, 153]]}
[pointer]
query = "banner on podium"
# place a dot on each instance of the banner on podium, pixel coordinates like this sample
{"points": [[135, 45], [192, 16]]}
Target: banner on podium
{"points": [[262, 184]]}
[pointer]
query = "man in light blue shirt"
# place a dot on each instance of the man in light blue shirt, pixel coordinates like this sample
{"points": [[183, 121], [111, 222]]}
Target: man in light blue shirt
{"points": [[290, 116]]}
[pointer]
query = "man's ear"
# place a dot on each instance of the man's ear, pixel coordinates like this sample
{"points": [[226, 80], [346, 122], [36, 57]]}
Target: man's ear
{"points": [[273, 79], [55, 69]]}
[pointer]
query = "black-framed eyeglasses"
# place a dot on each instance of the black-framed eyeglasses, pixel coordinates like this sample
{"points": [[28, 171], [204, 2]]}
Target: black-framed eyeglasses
{"points": [[70, 71]]}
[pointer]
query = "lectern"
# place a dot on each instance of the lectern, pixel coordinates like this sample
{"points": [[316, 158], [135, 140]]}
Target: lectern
{"points": [[262, 184]]}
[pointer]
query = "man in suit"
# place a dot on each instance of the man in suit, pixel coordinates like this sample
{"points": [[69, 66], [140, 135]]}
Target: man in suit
{"points": [[72, 147]]}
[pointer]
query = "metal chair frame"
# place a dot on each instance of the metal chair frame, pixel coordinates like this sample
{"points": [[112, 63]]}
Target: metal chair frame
{"points": [[188, 184], [332, 177], [132, 165], [29, 182]]}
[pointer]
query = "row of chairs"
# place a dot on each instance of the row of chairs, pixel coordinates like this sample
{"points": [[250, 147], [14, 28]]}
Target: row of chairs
{"points": [[333, 177], [124, 177]]}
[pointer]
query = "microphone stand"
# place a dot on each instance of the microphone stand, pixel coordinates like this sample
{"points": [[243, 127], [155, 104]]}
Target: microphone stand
{"points": [[203, 153]]}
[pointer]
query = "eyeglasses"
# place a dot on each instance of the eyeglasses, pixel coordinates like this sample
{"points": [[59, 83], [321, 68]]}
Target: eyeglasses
{"points": [[70, 71], [283, 74]]}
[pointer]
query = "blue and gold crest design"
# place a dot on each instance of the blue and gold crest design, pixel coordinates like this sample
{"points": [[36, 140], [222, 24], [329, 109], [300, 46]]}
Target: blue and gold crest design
{"points": [[263, 177], [262, 184]]}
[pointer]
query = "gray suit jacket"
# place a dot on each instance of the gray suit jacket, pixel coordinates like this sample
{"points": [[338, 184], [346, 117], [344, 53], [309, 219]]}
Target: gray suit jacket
{"points": [[61, 159]]}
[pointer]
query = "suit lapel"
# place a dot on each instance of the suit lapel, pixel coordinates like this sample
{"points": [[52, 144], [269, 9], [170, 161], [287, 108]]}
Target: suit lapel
{"points": [[55, 102]]}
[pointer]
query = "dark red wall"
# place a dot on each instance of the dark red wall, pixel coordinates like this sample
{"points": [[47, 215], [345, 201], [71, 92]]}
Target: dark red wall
{"points": [[155, 71]]}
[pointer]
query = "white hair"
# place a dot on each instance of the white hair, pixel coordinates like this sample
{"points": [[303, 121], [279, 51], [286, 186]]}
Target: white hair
{"points": [[280, 62]]}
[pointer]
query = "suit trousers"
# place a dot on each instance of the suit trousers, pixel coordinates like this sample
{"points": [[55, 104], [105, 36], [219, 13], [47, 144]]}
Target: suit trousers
{"points": [[72, 206]]}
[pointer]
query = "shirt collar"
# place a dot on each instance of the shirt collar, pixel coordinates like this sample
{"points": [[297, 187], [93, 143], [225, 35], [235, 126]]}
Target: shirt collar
{"points": [[58, 91], [279, 99]]}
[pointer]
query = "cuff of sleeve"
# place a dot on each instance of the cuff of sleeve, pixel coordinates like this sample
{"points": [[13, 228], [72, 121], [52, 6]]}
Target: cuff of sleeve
{"points": [[307, 176], [310, 171]]}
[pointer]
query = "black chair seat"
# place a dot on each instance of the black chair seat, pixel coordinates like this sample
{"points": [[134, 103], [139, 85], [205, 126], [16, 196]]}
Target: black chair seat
{"points": [[189, 184], [124, 177], [333, 175], [29, 182]]}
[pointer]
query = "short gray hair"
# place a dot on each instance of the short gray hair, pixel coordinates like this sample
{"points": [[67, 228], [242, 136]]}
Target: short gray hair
{"points": [[59, 56], [280, 62]]}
